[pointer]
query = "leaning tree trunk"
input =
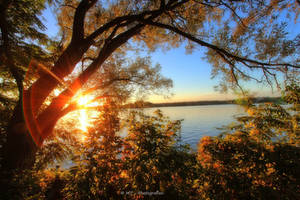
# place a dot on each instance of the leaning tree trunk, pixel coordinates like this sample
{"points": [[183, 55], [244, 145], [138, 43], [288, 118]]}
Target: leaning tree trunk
{"points": [[19, 150]]}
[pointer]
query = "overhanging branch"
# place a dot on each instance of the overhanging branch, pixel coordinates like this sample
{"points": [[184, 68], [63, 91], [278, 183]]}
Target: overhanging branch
{"points": [[243, 60]]}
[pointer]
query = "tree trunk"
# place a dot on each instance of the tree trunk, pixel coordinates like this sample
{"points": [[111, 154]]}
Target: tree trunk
{"points": [[19, 150]]}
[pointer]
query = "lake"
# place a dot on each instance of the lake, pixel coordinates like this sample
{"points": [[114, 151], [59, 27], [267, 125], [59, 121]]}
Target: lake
{"points": [[199, 121]]}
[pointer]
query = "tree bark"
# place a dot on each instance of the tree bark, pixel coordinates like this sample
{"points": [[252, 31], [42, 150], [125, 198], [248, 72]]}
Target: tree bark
{"points": [[19, 150]]}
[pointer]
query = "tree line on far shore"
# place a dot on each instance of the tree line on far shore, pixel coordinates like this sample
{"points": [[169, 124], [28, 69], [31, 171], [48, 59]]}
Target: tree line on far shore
{"points": [[146, 104]]}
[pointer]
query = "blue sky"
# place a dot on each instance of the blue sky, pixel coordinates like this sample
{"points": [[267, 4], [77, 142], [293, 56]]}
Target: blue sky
{"points": [[191, 76], [190, 73]]}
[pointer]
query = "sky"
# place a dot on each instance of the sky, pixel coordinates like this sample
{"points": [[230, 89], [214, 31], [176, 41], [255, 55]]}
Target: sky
{"points": [[190, 73]]}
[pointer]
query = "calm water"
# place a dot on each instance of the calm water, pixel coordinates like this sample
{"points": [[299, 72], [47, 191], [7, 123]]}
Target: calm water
{"points": [[199, 121]]}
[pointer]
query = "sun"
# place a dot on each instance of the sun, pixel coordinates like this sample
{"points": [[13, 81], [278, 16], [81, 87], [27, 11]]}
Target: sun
{"points": [[84, 100]]}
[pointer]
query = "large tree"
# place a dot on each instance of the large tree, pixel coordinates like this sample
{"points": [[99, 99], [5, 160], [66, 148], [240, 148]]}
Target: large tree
{"points": [[240, 37]]}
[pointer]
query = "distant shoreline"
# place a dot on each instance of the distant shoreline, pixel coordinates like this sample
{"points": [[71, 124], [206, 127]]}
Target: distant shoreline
{"points": [[193, 103], [141, 104]]}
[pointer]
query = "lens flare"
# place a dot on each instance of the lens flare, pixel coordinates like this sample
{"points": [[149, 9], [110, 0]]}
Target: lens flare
{"points": [[85, 102]]}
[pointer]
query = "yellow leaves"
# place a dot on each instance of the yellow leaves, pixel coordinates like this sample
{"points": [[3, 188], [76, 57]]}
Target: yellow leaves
{"points": [[47, 177], [270, 147], [96, 179], [250, 125], [270, 168], [236, 137], [259, 182], [94, 170], [206, 184], [254, 132], [251, 111], [204, 156], [206, 140], [124, 174], [42, 184]]}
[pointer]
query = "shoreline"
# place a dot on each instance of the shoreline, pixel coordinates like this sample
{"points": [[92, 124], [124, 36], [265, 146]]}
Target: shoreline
{"points": [[141, 104]]}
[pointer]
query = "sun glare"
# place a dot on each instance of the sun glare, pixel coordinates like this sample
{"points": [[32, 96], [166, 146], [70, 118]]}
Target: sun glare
{"points": [[82, 137], [83, 119], [84, 100], [85, 116]]}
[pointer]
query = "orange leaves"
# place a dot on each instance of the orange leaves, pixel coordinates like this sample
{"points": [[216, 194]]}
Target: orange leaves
{"points": [[270, 147], [270, 169], [206, 140], [203, 156], [251, 111], [124, 174], [47, 177], [206, 157], [254, 132], [217, 166], [259, 182], [170, 133]]}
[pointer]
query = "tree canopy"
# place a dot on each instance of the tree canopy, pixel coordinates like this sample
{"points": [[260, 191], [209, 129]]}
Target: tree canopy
{"points": [[239, 36]]}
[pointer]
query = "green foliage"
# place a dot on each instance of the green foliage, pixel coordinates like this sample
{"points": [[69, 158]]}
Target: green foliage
{"points": [[292, 96], [22, 37]]}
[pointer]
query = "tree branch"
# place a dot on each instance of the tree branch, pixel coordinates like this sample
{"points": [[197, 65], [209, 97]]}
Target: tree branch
{"points": [[58, 103], [52, 111], [78, 23], [213, 47], [132, 18]]}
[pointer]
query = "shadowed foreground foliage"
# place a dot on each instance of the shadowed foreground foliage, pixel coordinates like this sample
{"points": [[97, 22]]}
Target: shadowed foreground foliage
{"points": [[258, 158]]}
